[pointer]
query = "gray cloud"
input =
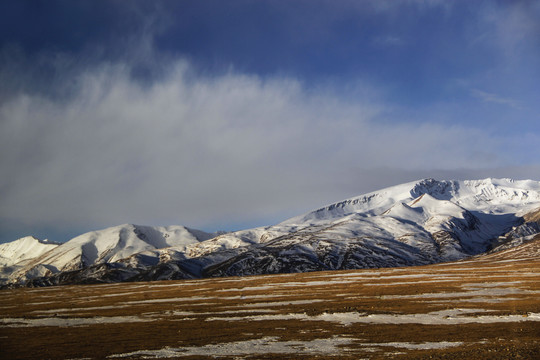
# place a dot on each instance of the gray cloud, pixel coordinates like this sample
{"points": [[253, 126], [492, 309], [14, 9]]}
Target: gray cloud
{"points": [[199, 151]]}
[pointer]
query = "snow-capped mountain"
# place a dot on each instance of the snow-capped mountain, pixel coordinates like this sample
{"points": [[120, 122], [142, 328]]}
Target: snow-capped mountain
{"points": [[410, 224], [416, 223], [15, 254], [24, 249], [105, 246]]}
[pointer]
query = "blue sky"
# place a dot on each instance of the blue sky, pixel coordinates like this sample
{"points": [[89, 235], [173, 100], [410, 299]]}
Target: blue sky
{"points": [[225, 115]]}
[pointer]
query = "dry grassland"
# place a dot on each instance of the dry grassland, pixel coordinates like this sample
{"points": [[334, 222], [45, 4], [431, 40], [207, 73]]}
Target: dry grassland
{"points": [[485, 308]]}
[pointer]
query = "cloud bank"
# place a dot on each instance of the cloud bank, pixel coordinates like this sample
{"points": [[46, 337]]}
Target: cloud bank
{"points": [[213, 151]]}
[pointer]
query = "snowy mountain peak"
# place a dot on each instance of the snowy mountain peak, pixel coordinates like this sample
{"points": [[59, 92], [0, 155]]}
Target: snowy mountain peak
{"points": [[492, 195], [500, 195], [24, 249]]}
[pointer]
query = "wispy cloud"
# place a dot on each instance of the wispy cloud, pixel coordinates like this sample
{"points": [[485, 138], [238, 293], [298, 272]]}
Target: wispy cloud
{"points": [[494, 98], [518, 27], [389, 40]]}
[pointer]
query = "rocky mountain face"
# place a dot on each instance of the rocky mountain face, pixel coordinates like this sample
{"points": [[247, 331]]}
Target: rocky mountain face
{"points": [[416, 223]]}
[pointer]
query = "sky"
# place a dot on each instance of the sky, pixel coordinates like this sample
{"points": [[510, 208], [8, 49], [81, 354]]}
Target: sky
{"points": [[224, 115]]}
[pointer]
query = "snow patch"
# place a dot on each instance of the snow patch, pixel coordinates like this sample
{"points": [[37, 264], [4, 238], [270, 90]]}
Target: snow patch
{"points": [[265, 345], [418, 346]]}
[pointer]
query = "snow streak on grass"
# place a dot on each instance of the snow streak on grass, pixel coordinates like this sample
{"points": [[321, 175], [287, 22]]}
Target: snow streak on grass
{"points": [[265, 345], [448, 317]]}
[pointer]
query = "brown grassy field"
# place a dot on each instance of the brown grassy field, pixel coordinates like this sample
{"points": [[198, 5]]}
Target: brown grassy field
{"points": [[483, 308]]}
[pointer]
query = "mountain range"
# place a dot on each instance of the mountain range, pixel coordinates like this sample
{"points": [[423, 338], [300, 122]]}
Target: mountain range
{"points": [[416, 223]]}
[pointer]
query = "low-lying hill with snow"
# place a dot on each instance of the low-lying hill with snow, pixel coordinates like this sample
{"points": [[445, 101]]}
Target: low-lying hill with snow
{"points": [[416, 223]]}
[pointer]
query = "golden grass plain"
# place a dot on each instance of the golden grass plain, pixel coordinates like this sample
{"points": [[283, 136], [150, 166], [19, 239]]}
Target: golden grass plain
{"points": [[482, 308]]}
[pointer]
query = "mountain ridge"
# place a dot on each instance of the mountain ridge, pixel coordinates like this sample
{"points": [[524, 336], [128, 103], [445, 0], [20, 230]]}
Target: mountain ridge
{"points": [[106, 246], [415, 223]]}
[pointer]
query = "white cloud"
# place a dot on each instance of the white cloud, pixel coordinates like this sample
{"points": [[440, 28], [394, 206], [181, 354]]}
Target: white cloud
{"points": [[494, 98], [389, 40], [200, 150]]}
